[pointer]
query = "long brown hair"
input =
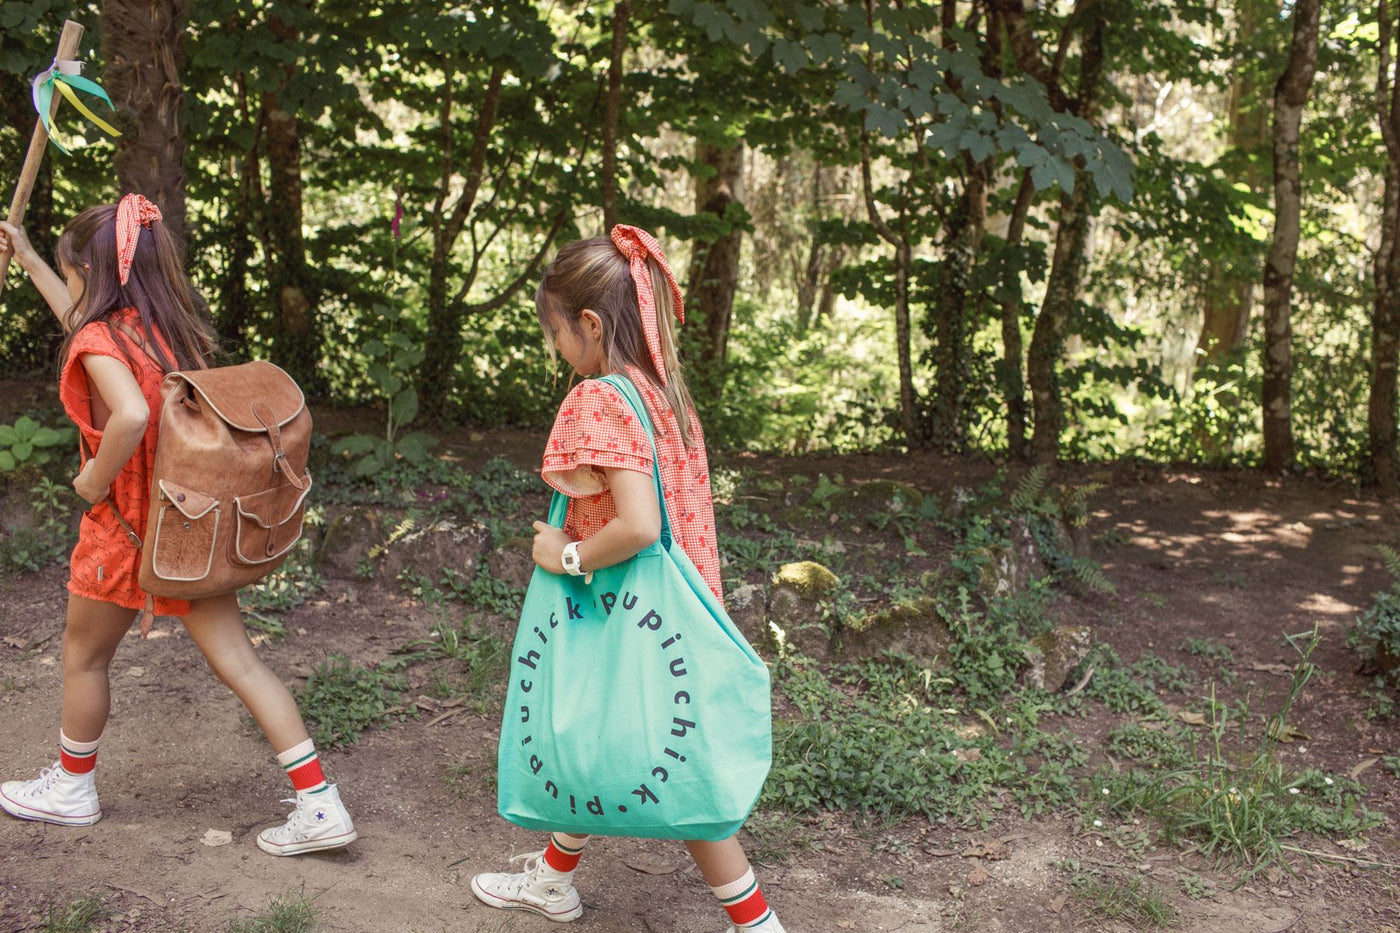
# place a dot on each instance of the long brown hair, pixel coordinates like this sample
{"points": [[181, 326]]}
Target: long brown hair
{"points": [[157, 288], [593, 274]]}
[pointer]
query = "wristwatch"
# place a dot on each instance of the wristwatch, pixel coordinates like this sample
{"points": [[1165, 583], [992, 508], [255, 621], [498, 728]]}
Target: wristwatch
{"points": [[570, 559]]}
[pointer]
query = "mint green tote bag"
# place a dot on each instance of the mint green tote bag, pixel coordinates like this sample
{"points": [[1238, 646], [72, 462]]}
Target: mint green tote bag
{"points": [[635, 706]]}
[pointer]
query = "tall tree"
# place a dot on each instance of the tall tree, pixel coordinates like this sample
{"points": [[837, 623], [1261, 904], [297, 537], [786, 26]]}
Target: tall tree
{"points": [[1290, 96], [1385, 310], [143, 41], [714, 266]]}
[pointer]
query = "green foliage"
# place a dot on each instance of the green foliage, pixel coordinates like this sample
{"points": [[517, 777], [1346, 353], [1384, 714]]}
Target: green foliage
{"points": [[479, 660], [342, 699], [1245, 813], [292, 584], [1376, 634], [290, 913], [47, 538], [485, 592], [29, 442], [1134, 688]]}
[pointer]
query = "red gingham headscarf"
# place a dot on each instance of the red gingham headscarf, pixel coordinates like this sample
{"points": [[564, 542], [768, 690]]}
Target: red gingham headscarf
{"points": [[636, 245], [132, 210]]}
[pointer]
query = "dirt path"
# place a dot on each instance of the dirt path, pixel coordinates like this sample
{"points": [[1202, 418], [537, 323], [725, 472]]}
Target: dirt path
{"points": [[1216, 555]]}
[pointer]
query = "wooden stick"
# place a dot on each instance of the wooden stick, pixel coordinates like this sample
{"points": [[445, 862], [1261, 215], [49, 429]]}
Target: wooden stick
{"points": [[68, 42]]}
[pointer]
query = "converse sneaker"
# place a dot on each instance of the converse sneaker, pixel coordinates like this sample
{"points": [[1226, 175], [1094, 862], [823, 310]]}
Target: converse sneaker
{"points": [[538, 888], [319, 821], [55, 796], [771, 925]]}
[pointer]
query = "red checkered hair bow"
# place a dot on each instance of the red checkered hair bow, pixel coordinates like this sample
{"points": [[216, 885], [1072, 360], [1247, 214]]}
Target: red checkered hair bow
{"points": [[133, 212], [636, 245]]}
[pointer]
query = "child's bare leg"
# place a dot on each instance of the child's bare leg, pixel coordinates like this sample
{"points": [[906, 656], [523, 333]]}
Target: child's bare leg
{"points": [[93, 631], [216, 626], [719, 862], [727, 872]]}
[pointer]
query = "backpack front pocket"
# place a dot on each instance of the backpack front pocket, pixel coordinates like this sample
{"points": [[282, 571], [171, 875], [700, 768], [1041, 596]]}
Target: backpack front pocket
{"points": [[269, 522], [186, 526]]}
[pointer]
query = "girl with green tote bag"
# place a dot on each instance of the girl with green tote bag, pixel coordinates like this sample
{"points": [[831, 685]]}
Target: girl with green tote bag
{"points": [[635, 707]]}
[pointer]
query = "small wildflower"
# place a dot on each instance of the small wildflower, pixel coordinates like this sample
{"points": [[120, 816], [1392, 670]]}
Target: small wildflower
{"points": [[1098, 822], [1294, 790], [1327, 781], [1105, 791]]}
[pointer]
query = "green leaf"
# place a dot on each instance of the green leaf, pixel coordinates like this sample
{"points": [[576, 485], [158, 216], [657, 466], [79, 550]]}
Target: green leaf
{"points": [[375, 348], [7, 461], [355, 444], [25, 427], [47, 437], [8, 435], [371, 464], [404, 408], [414, 447], [22, 450]]}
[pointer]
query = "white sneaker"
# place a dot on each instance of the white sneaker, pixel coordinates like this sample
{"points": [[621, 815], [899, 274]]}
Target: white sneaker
{"points": [[319, 821], [771, 925], [55, 796], [538, 888]]}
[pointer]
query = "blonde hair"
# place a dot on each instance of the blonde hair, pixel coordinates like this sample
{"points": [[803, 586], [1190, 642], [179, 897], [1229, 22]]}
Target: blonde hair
{"points": [[592, 274]]}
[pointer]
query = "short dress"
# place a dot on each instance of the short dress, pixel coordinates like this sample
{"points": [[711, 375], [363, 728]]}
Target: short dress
{"points": [[105, 563], [595, 428]]}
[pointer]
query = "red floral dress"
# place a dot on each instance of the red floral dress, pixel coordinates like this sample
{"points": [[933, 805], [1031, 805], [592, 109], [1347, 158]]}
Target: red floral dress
{"points": [[595, 428], [105, 563]]}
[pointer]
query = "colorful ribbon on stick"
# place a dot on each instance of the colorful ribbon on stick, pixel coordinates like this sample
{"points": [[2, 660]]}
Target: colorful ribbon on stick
{"points": [[65, 76]]}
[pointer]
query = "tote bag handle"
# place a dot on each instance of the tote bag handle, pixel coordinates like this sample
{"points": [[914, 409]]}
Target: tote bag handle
{"points": [[559, 505]]}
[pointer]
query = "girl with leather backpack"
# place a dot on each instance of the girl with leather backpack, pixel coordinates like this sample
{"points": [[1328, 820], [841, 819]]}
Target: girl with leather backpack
{"points": [[129, 315]]}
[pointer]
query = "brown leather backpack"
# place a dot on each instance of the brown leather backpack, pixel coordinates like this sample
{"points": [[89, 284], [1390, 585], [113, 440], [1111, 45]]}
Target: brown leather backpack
{"points": [[228, 494]]}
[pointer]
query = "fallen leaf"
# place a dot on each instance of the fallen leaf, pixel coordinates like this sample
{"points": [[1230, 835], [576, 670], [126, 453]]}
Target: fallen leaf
{"points": [[213, 838], [1058, 904], [1190, 718], [846, 924], [650, 866], [1283, 670], [967, 754], [1354, 773], [14, 642], [940, 853], [1354, 845], [977, 877], [1286, 732], [995, 850], [136, 671]]}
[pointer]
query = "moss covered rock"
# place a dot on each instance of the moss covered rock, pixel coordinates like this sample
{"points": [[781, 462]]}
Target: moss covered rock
{"points": [[912, 627], [350, 541], [800, 609], [1054, 655]]}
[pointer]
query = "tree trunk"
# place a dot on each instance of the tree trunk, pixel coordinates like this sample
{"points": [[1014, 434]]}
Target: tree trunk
{"points": [[1290, 94], [611, 112], [1066, 268], [1229, 301], [714, 267], [1013, 384], [952, 346], [444, 337], [143, 41], [1381, 465], [909, 421]]}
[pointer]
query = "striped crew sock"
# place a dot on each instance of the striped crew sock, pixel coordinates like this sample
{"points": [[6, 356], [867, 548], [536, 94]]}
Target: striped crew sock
{"points": [[562, 853], [77, 757], [303, 767], [743, 899]]}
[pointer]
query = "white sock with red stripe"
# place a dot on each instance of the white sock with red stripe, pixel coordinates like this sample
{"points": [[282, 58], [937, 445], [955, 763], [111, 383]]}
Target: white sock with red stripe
{"points": [[303, 767], [77, 757], [563, 852], [743, 899]]}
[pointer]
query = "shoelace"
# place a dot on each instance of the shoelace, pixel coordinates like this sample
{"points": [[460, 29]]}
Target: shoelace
{"points": [[43, 782]]}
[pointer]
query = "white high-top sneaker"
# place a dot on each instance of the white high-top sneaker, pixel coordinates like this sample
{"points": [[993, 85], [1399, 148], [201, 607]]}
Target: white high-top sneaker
{"points": [[539, 889], [55, 796], [770, 925], [320, 821]]}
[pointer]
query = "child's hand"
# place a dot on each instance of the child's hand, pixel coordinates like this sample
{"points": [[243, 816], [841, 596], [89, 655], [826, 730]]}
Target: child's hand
{"points": [[84, 486], [14, 239], [548, 550]]}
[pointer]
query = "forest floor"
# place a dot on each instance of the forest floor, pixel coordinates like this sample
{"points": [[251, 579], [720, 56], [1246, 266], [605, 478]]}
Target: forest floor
{"points": [[1230, 559]]}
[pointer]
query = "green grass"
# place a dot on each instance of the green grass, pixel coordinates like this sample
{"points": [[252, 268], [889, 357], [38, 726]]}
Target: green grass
{"points": [[76, 917], [290, 913], [476, 662], [1103, 897]]}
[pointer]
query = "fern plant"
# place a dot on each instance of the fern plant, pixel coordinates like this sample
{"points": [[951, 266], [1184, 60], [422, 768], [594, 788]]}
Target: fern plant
{"points": [[1376, 635]]}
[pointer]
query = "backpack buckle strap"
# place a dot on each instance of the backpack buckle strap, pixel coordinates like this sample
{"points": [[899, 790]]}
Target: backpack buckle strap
{"points": [[274, 437]]}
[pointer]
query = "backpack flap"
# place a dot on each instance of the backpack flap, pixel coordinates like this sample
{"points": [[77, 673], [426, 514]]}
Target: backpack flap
{"points": [[190, 504], [233, 392], [270, 522]]}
